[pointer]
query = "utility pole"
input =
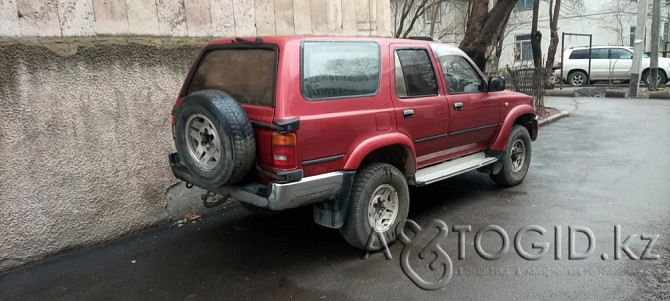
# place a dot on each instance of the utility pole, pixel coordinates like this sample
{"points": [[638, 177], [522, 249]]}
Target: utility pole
{"points": [[655, 27], [639, 48]]}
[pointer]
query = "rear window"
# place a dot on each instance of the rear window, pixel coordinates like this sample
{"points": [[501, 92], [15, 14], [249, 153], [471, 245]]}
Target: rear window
{"points": [[247, 74], [339, 69]]}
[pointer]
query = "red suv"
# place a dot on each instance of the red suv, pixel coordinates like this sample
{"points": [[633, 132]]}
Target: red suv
{"points": [[345, 124]]}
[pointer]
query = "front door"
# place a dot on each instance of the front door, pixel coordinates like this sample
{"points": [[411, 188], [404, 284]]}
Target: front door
{"points": [[420, 106], [621, 63], [474, 113]]}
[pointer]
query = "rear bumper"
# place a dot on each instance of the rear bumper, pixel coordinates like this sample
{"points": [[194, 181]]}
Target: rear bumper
{"points": [[274, 196]]}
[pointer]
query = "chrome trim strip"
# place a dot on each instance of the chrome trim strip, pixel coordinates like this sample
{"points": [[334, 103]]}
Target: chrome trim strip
{"points": [[322, 160]]}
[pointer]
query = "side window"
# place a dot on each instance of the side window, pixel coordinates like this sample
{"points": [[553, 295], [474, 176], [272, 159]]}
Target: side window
{"points": [[339, 69], [600, 54], [460, 76], [414, 73], [580, 54], [621, 54]]}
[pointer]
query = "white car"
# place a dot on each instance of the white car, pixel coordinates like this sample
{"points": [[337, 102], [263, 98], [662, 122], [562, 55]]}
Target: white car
{"points": [[607, 63]]}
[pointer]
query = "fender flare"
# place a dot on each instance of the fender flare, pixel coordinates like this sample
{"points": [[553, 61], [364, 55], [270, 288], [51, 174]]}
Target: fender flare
{"points": [[373, 143], [500, 143]]}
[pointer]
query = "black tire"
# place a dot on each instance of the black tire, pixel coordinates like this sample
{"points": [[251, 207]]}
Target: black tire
{"points": [[578, 79], [357, 230], [237, 146], [508, 176], [259, 210], [646, 77]]}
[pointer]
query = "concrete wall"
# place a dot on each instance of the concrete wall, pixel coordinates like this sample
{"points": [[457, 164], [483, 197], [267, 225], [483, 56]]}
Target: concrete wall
{"points": [[84, 137], [86, 89], [193, 18]]}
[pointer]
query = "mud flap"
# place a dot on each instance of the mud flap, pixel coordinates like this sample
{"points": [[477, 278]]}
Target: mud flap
{"points": [[332, 213]]}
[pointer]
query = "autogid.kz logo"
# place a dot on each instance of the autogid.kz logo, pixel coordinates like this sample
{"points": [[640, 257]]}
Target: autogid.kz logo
{"points": [[425, 245]]}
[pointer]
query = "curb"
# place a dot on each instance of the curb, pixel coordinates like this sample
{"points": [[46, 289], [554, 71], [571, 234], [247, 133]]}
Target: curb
{"points": [[553, 118], [609, 93], [559, 93]]}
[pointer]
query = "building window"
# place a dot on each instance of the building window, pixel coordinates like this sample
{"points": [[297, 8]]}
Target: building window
{"points": [[523, 50], [524, 4], [431, 11], [632, 36]]}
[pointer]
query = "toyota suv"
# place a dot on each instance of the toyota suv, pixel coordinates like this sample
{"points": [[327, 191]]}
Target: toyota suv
{"points": [[344, 124], [607, 63]]}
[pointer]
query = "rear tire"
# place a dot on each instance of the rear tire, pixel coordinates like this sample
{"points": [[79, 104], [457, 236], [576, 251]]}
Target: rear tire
{"points": [[578, 79], [379, 198], [516, 159]]}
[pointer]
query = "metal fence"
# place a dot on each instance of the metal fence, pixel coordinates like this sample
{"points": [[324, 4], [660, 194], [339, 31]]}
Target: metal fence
{"points": [[528, 81]]}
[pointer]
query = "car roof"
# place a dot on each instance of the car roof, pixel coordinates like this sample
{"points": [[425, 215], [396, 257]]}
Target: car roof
{"points": [[598, 47], [280, 40]]}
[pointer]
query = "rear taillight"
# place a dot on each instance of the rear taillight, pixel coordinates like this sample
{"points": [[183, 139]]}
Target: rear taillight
{"points": [[283, 150], [560, 65]]}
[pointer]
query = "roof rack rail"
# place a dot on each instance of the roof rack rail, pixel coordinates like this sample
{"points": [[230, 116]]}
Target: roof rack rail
{"points": [[425, 38]]}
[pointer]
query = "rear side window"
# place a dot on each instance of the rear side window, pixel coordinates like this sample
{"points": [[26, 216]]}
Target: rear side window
{"points": [[415, 72], [579, 55], [596, 54], [248, 75], [339, 69]]}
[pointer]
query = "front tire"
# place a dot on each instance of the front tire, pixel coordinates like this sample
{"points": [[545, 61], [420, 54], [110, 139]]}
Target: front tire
{"points": [[646, 77], [516, 159], [379, 201]]}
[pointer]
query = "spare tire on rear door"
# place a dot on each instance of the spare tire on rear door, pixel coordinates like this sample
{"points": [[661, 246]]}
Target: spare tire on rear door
{"points": [[214, 138]]}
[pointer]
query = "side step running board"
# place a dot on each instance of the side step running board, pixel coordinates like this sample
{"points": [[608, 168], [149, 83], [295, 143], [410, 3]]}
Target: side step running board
{"points": [[452, 168]]}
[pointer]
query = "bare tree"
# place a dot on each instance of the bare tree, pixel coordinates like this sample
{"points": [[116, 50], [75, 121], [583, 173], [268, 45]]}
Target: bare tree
{"points": [[485, 29], [554, 13], [408, 12], [622, 10]]}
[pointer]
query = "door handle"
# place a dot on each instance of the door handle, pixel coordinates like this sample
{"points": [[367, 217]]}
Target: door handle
{"points": [[458, 106], [408, 113]]}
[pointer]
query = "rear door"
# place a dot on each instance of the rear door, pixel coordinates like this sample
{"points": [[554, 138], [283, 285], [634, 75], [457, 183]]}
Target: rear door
{"points": [[421, 109], [600, 63]]}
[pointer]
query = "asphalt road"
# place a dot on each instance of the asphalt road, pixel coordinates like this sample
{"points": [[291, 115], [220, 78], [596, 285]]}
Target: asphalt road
{"points": [[607, 164]]}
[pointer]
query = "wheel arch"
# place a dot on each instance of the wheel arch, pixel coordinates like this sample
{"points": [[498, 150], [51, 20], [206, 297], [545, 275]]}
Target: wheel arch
{"points": [[395, 149], [524, 115]]}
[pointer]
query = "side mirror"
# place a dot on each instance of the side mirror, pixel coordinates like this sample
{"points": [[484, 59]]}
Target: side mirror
{"points": [[496, 83]]}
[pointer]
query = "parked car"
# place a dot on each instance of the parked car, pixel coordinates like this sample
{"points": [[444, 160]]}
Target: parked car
{"points": [[346, 124], [607, 63]]}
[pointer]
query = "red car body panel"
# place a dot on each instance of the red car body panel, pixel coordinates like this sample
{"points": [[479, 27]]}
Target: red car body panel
{"points": [[348, 129]]}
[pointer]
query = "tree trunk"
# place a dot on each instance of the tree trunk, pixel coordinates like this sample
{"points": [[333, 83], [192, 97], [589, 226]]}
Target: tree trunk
{"points": [[536, 37], [436, 12], [553, 44], [485, 29]]}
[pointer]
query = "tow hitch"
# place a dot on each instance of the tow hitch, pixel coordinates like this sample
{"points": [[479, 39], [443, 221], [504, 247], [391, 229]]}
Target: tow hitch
{"points": [[216, 199]]}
